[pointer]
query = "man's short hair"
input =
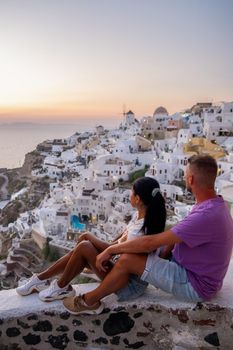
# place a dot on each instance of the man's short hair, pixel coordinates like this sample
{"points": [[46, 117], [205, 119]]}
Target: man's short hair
{"points": [[205, 167]]}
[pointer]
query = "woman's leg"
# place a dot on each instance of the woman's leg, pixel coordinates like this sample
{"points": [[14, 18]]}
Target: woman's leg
{"points": [[57, 268], [84, 254]]}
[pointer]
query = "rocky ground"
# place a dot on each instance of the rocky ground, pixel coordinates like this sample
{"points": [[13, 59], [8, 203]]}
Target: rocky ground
{"points": [[13, 180]]}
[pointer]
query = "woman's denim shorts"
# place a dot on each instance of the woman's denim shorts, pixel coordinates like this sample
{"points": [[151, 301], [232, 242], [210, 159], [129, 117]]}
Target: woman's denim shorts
{"points": [[170, 277]]}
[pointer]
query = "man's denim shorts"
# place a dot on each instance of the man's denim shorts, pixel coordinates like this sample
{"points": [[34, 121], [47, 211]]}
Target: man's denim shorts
{"points": [[170, 277], [135, 287]]}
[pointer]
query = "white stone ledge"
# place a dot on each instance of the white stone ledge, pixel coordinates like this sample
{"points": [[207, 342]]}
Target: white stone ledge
{"points": [[12, 305], [155, 320]]}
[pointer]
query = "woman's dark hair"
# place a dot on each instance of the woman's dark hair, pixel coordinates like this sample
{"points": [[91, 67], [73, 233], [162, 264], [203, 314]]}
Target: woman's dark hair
{"points": [[148, 191]]}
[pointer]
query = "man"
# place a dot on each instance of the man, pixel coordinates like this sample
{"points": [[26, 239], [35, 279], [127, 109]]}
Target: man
{"points": [[202, 249]]}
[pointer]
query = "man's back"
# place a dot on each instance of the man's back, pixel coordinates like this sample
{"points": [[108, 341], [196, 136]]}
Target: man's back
{"points": [[207, 235]]}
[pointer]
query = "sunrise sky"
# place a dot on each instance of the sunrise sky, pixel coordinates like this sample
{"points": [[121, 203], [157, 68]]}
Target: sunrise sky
{"points": [[87, 58]]}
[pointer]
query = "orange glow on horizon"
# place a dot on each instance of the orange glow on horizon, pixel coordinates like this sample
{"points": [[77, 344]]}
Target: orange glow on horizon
{"points": [[72, 110], [94, 110]]}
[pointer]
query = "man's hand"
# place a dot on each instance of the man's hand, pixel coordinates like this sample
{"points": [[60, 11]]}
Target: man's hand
{"points": [[102, 259], [166, 251]]}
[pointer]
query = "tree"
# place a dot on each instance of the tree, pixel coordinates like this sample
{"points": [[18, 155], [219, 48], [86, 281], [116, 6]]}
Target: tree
{"points": [[53, 254]]}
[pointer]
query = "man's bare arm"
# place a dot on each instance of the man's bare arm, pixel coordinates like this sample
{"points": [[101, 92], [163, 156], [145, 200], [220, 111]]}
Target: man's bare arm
{"points": [[144, 244]]}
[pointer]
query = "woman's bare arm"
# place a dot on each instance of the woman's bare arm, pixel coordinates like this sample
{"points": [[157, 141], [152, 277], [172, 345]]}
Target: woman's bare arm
{"points": [[98, 243]]}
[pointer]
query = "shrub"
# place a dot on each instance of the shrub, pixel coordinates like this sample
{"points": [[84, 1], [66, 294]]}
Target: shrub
{"points": [[136, 174]]}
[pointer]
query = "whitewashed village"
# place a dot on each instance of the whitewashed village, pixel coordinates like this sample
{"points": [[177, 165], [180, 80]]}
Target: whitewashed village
{"points": [[90, 175]]}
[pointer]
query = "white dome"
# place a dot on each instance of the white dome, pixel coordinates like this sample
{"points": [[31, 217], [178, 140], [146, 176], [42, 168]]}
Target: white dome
{"points": [[160, 110]]}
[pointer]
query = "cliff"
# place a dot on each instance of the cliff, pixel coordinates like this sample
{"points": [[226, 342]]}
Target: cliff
{"points": [[18, 178]]}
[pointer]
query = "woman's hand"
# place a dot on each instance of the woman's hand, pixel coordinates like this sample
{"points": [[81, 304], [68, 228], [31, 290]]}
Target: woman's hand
{"points": [[96, 242], [102, 259]]}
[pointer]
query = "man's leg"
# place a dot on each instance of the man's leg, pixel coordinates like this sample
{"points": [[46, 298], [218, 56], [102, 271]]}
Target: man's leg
{"points": [[118, 277]]}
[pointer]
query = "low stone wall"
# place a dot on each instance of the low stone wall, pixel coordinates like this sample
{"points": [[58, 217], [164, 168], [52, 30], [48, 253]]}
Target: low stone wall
{"points": [[154, 321], [38, 239]]}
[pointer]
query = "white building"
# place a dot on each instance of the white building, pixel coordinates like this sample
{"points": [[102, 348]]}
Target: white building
{"points": [[161, 118], [99, 130], [111, 166], [172, 192], [227, 193], [184, 136], [225, 169], [148, 126], [168, 167], [123, 147], [182, 210], [218, 121], [129, 118]]}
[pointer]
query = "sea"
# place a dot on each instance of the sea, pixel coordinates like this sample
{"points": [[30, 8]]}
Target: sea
{"points": [[17, 139]]}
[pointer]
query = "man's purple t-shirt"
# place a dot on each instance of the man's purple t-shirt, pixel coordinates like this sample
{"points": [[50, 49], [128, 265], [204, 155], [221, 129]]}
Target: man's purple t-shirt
{"points": [[206, 247]]}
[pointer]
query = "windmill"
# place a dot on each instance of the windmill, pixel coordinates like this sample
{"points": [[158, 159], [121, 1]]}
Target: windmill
{"points": [[123, 113]]}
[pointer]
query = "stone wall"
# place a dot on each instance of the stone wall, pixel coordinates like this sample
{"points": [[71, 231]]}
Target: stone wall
{"points": [[145, 324], [154, 321], [131, 327], [38, 238]]}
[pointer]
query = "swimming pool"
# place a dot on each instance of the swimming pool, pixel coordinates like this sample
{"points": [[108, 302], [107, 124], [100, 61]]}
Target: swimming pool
{"points": [[76, 224]]}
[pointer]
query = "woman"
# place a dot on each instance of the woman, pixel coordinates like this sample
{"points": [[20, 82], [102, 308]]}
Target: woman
{"points": [[149, 219]]}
